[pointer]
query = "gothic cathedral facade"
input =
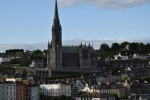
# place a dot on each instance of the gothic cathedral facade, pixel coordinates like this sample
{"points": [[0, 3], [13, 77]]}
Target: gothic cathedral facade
{"points": [[65, 57]]}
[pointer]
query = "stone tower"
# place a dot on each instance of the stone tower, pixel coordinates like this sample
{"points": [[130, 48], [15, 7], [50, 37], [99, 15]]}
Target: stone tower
{"points": [[54, 57]]}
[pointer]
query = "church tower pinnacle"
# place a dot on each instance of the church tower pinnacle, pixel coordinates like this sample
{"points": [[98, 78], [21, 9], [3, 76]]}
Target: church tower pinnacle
{"points": [[56, 16], [56, 44], [56, 29]]}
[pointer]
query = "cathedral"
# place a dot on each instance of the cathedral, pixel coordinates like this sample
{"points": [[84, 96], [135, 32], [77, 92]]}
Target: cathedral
{"points": [[68, 57]]}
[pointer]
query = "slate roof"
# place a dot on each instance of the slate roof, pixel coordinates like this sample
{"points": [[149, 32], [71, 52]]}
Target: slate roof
{"points": [[75, 49], [70, 49]]}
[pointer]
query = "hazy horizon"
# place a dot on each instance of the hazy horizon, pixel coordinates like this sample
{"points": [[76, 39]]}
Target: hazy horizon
{"points": [[96, 43], [30, 21]]}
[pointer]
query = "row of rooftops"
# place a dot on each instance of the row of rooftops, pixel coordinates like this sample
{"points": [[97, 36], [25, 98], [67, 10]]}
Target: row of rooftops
{"points": [[97, 95], [18, 81], [111, 86]]}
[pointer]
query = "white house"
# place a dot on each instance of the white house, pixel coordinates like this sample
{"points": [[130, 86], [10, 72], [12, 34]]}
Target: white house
{"points": [[79, 85], [86, 88], [122, 56], [37, 63], [56, 89]]}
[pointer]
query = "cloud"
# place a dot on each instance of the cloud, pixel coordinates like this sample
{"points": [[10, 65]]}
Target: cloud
{"points": [[112, 4], [96, 43]]}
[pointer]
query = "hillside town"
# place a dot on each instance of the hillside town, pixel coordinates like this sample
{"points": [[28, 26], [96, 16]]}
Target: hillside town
{"points": [[120, 77], [120, 71]]}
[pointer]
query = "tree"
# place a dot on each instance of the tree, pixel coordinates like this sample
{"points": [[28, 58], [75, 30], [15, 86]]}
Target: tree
{"points": [[134, 46], [115, 69], [107, 69], [37, 54], [104, 47], [104, 50], [123, 45], [147, 47], [125, 96], [115, 47], [4, 67], [20, 62], [25, 63], [104, 54], [45, 51], [141, 46], [24, 73], [14, 61]]}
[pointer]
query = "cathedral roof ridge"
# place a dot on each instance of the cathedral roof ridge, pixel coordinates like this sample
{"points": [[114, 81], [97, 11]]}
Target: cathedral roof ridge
{"points": [[70, 46]]}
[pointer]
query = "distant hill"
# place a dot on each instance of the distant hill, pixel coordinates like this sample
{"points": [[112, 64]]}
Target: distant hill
{"points": [[96, 43]]}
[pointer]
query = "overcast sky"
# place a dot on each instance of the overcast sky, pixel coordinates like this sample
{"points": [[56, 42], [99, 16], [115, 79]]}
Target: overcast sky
{"points": [[30, 21]]}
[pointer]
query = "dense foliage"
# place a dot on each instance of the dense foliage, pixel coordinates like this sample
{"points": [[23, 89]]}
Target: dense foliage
{"points": [[124, 47], [67, 76], [21, 62], [4, 67], [38, 54]]}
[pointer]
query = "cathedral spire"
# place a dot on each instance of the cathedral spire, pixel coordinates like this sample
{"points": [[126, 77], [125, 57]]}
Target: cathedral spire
{"points": [[56, 23], [56, 16]]}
